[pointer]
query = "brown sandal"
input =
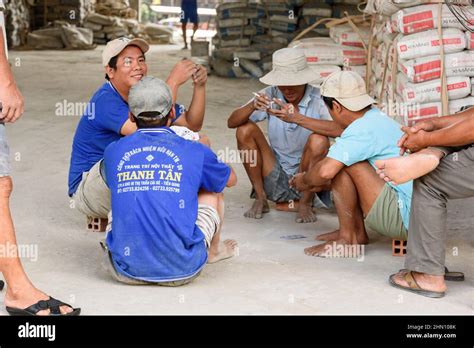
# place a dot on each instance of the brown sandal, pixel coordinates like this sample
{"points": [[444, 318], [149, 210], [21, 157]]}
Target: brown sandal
{"points": [[413, 286]]}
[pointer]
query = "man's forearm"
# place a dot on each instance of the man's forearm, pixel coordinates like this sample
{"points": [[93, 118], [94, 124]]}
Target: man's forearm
{"points": [[195, 114], [174, 88], [458, 134], [314, 178], [6, 79], [321, 127], [240, 115], [446, 121]]}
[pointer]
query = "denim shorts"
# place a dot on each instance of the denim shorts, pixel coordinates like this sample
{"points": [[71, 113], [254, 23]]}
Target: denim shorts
{"points": [[4, 153], [278, 189]]}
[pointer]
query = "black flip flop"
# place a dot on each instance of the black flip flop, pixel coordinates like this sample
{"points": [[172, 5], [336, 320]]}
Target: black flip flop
{"points": [[52, 304], [453, 276]]}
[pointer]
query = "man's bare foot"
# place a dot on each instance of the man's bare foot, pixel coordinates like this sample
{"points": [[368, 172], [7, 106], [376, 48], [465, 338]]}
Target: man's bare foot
{"points": [[27, 297], [306, 214], [259, 207], [227, 249], [362, 237], [328, 237], [400, 170], [425, 281], [339, 248]]}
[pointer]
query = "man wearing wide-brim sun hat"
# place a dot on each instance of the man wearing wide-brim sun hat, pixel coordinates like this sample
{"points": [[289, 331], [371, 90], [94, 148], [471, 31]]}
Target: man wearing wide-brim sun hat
{"points": [[299, 125]]}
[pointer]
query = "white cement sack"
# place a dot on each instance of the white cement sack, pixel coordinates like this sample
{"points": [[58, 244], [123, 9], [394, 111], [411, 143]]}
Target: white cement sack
{"points": [[427, 43], [44, 42], [424, 17], [77, 38], [429, 68], [232, 22], [319, 10], [458, 105], [101, 19], [311, 41], [93, 26], [415, 112], [319, 52], [345, 35], [323, 71], [425, 92]]}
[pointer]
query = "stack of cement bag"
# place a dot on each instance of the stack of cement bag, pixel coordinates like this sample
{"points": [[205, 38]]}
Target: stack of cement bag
{"points": [[412, 64], [118, 8], [113, 19], [233, 41], [62, 36], [315, 10], [17, 22], [344, 50]]}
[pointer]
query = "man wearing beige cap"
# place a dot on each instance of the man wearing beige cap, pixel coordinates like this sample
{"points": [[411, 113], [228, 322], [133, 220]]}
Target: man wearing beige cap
{"points": [[106, 118], [359, 193], [298, 129]]}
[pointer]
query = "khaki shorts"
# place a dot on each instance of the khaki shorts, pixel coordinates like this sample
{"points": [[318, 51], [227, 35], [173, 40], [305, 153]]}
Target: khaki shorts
{"points": [[384, 217], [208, 222], [93, 196]]}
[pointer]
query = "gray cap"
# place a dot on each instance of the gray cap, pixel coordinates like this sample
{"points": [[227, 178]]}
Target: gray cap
{"points": [[150, 95]]}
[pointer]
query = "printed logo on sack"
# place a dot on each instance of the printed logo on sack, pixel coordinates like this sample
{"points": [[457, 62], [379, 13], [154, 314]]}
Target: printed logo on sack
{"points": [[403, 48]]}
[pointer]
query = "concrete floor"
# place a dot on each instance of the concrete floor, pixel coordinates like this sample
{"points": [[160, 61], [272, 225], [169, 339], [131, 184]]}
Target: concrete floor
{"points": [[271, 275]]}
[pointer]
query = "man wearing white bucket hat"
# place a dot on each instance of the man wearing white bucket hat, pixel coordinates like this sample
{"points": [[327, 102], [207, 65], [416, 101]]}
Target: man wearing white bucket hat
{"points": [[360, 195], [299, 125]]}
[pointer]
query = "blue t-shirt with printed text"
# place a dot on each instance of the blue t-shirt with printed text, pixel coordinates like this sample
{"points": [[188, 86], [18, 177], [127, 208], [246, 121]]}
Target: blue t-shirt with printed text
{"points": [[154, 177], [99, 126], [370, 138]]}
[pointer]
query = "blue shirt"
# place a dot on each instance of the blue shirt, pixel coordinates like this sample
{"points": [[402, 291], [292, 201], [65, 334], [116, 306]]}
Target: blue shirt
{"points": [[99, 126], [370, 138], [288, 139], [154, 177]]}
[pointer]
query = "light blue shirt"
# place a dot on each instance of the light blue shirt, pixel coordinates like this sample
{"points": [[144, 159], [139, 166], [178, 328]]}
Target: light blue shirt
{"points": [[370, 138], [288, 139]]}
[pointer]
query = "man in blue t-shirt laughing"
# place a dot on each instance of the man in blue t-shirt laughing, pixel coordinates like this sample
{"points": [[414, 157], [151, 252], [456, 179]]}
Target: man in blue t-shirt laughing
{"points": [[106, 118], [167, 201]]}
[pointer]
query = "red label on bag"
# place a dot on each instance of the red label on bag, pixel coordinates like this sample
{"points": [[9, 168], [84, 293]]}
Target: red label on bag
{"points": [[458, 85], [403, 48], [415, 27], [453, 41], [436, 64], [312, 59], [418, 17]]}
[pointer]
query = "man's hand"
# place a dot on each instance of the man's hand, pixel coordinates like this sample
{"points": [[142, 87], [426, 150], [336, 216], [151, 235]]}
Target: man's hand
{"points": [[427, 126], [182, 72], [12, 103], [297, 182], [287, 112], [414, 141], [200, 76], [261, 102]]}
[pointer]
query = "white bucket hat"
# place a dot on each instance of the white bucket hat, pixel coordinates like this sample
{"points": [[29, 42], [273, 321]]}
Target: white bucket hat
{"points": [[348, 88], [290, 68]]}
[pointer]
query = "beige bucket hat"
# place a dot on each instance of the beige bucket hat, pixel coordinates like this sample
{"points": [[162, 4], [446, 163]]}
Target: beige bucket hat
{"points": [[290, 68]]}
